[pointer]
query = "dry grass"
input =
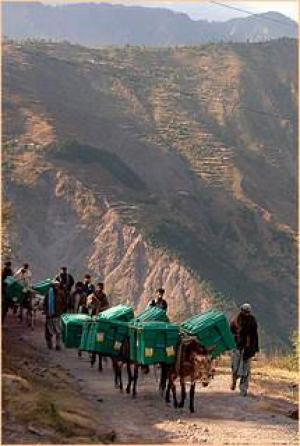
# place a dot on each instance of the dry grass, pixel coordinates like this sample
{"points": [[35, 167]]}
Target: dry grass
{"points": [[275, 375]]}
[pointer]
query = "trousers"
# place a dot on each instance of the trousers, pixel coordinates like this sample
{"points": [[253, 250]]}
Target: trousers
{"points": [[241, 369]]}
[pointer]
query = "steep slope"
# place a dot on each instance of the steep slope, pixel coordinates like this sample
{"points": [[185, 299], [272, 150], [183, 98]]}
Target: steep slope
{"points": [[98, 24], [203, 183]]}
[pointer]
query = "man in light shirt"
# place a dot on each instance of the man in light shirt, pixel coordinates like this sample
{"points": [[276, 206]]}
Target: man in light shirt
{"points": [[24, 275]]}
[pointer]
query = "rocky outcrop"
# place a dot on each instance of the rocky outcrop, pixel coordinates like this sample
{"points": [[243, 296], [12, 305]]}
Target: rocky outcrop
{"points": [[71, 226], [133, 270]]}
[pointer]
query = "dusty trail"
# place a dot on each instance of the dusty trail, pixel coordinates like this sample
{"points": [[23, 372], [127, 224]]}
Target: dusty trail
{"points": [[222, 416]]}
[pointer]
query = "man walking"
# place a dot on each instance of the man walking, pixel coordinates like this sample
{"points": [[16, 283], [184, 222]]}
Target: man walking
{"points": [[98, 301], [67, 281], [54, 305], [76, 298], [6, 272], [24, 276], [159, 302], [244, 329], [88, 287]]}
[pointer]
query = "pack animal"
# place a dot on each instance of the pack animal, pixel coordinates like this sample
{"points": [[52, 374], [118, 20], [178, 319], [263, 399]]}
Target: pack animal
{"points": [[195, 364]]}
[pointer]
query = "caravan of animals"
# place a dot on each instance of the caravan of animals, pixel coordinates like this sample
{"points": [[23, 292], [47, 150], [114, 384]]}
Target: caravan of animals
{"points": [[80, 315]]}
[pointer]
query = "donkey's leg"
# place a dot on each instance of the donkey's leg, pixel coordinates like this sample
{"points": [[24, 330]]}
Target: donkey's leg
{"points": [[135, 379], [33, 319], [183, 392], [100, 366], [31, 315], [20, 315], [163, 379], [173, 388], [168, 391], [129, 376], [121, 376], [192, 397], [93, 358], [115, 366]]}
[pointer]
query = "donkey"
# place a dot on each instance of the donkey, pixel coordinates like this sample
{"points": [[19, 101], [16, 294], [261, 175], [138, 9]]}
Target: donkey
{"points": [[193, 361], [30, 304], [132, 369]]}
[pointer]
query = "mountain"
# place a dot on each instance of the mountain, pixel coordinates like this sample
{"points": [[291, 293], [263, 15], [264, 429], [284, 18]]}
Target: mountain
{"points": [[152, 167], [105, 24]]}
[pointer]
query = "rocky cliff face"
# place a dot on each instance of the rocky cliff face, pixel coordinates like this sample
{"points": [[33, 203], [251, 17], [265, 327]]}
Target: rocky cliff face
{"points": [[77, 229]]}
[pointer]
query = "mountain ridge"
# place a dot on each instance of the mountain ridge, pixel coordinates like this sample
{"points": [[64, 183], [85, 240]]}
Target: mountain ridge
{"points": [[106, 24]]}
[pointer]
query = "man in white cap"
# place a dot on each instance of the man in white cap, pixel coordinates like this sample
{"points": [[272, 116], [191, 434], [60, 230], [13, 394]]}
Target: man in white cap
{"points": [[244, 329]]}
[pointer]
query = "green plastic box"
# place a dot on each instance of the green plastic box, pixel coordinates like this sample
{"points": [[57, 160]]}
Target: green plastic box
{"points": [[14, 291], [212, 330], [85, 342], [152, 314], [108, 332], [153, 342], [71, 328], [43, 286], [119, 312], [108, 337]]}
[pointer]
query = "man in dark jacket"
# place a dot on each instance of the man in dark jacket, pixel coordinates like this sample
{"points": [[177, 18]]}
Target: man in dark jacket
{"points": [[55, 305], [99, 303], [88, 287], [6, 272], [159, 302], [67, 281], [244, 329]]}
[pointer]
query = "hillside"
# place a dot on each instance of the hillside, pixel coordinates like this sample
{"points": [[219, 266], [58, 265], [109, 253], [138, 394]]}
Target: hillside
{"points": [[105, 24], [180, 171]]}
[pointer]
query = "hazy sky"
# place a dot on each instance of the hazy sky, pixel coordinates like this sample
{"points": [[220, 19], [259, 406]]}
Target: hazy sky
{"points": [[204, 9]]}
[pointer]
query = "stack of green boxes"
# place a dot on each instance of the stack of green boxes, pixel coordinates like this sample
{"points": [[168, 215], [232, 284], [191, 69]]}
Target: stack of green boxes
{"points": [[108, 331], [72, 327], [153, 342], [212, 330], [14, 291]]}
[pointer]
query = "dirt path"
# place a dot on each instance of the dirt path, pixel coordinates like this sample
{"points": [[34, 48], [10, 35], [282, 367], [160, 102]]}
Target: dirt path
{"points": [[222, 416]]}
